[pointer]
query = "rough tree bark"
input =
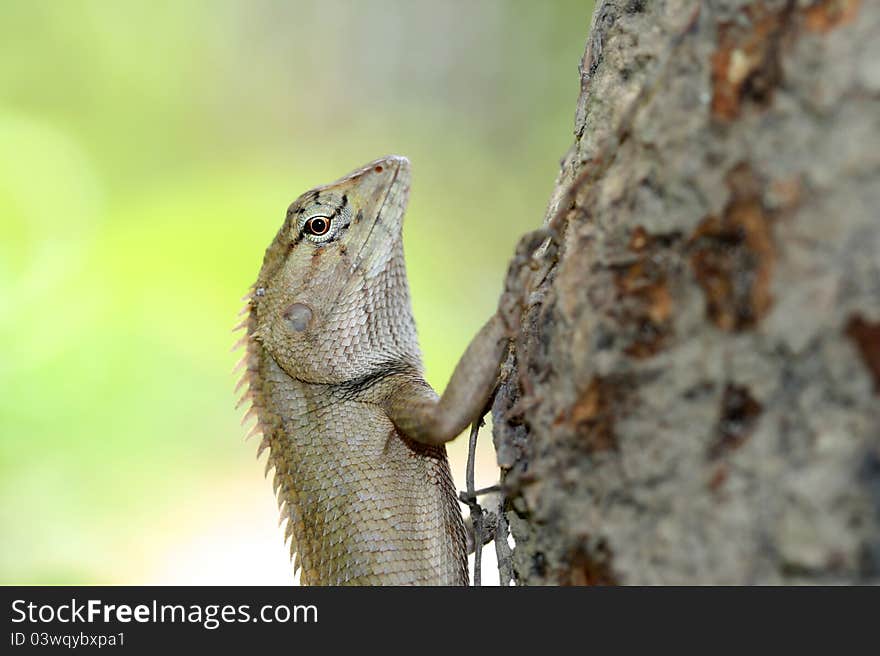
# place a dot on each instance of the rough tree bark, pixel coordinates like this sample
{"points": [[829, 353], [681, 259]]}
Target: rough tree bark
{"points": [[695, 394]]}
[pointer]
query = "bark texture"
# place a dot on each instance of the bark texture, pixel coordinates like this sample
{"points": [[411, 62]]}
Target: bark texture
{"points": [[695, 394]]}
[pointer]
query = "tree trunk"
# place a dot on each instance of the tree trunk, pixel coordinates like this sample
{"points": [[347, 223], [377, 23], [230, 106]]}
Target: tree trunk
{"points": [[695, 393]]}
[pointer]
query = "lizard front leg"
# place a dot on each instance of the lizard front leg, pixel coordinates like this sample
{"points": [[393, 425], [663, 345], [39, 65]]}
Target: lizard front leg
{"points": [[416, 410]]}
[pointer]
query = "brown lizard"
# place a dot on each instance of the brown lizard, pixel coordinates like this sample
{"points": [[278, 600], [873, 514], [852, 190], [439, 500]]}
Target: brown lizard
{"points": [[335, 379]]}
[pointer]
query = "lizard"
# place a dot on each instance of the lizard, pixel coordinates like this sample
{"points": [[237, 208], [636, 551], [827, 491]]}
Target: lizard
{"points": [[335, 380], [334, 374]]}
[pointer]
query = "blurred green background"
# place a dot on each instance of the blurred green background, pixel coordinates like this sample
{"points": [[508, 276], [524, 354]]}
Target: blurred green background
{"points": [[148, 151]]}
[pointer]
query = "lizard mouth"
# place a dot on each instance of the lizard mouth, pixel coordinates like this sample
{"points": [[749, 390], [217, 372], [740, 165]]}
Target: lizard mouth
{"points": [[400, 164]]}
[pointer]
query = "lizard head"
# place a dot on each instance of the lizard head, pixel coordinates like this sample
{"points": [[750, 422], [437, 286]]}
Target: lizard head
{"points": [[331, 303]]}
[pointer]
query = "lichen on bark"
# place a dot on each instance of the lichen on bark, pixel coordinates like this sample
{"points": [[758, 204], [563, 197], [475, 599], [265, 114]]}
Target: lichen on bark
{"points": [[694, 396]]}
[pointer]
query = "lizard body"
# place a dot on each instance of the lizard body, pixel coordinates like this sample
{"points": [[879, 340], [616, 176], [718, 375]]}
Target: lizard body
{"points": [[335, 379]]}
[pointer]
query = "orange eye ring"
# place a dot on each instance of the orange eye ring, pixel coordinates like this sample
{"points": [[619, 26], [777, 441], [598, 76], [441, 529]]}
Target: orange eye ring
{"points": [[317, 226]]}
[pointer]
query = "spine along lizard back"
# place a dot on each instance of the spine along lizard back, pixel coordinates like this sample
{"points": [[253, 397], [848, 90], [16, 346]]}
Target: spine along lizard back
{"points": [[334, 376]]}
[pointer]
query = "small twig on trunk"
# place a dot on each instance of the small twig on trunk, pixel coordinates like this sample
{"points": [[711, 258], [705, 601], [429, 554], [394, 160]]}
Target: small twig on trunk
{"points": [[467, 497], [475, 508], [502, 549]]}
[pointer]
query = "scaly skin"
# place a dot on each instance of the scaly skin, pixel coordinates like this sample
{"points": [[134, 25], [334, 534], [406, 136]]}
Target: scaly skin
{"points": [[334, 373]]}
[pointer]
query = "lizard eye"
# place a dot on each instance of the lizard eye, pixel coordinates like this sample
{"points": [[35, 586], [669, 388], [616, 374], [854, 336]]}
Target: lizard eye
{"points": [[317, 226], [322, 222]]}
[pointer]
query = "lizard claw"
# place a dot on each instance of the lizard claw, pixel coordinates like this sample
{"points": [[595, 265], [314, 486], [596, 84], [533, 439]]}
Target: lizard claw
{"points": [[512, 302]]}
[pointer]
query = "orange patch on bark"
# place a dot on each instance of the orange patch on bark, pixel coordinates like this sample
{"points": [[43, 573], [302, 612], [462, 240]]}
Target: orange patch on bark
{"points": [[639, 239], [650, 289], [733, 256], [646, 302], [592, 417], [586, 568], [826, 15], [866, 337], [745, 64]]}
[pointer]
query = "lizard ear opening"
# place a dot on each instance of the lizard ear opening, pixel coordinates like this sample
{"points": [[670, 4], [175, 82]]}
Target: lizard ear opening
{"points": [[298, 316]]}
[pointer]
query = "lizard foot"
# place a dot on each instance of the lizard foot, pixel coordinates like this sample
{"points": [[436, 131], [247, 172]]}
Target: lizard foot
{"points": [[513, 299]]}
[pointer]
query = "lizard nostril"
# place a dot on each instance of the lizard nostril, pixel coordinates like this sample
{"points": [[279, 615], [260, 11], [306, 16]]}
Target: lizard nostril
{"points": [[298, 316]]}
